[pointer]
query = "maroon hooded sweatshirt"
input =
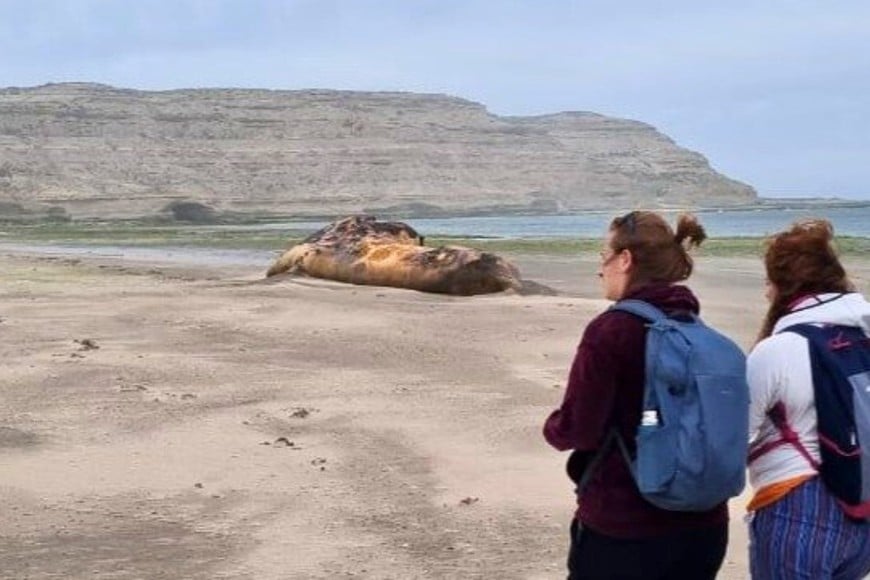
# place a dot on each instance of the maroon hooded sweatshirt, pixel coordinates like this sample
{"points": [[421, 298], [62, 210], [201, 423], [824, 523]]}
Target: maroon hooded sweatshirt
{"points": [[605, 389]]}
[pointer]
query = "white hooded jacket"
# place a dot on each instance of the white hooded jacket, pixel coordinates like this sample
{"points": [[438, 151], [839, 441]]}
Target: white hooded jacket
{"points": [[778, 369]]}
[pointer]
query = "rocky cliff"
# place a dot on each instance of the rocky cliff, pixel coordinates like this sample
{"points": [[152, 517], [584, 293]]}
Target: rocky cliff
{"points": [[88, 150]]}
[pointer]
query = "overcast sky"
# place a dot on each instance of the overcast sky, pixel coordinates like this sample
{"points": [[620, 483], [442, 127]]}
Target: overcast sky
{"points": [[775, 93]]}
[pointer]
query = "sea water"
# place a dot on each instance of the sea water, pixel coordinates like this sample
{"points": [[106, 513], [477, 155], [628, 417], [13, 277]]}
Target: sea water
{"points": [[847, 221], [852, 221]]}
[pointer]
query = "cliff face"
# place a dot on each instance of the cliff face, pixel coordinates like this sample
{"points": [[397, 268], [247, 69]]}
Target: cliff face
{"points": [[96, 151]]}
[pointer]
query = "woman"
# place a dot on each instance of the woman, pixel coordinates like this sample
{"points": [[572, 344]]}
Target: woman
{"points": [[616, 533], [797, 529]]}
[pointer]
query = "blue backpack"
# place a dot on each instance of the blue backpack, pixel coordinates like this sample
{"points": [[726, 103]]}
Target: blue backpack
{"points": [[694, 433], [840, 360]]}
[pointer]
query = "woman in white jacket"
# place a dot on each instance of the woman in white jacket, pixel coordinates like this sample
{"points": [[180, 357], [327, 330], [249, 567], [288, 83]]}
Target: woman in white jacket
{"points": [[797, 529]]}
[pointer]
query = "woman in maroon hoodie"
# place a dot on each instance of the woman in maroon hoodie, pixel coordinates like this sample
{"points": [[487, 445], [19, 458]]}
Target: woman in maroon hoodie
{"points": [[615, 532]]}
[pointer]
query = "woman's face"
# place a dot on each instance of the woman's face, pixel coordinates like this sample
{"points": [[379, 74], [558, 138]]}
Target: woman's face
{"points": [[614, 270]]}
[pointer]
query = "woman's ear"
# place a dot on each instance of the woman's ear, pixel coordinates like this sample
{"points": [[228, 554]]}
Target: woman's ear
{"points": [[625, 261]]}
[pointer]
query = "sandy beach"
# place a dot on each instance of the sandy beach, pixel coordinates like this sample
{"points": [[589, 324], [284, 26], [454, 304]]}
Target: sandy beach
{"points": [[178, 420]]}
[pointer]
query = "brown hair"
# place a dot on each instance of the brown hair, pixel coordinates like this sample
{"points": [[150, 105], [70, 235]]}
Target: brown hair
{"points": [[658, 254], [799, 261]]}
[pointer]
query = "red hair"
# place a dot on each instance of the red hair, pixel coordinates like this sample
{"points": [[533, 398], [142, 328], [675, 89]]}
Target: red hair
{"points": [[799, 261]]}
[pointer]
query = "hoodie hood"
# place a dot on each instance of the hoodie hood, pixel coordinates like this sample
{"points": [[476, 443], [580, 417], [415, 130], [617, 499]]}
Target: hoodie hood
{"points": [[849, 309], [667, 297]]}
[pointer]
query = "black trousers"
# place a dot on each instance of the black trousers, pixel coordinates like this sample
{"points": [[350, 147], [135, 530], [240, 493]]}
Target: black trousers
{"points": [[693, 555]]}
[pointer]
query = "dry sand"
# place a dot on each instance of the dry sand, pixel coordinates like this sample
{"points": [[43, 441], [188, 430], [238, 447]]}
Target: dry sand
{"points": [[227, 427]]}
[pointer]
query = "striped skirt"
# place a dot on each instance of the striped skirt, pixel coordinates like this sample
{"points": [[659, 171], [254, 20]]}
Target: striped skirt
{"points": [[806, 536]]}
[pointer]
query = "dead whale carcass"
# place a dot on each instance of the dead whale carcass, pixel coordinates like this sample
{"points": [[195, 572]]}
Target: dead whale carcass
{"points": [[362, 250]]}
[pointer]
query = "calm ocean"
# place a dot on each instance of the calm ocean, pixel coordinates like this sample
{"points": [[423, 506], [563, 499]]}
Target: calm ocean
{"points": [[848, 221]]}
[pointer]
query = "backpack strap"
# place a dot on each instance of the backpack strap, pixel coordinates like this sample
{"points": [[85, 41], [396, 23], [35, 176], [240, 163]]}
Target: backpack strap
{"points": [[788, 436], [777, 414], [816, 335], [639, 308], [649, 313], [654, 316], [612, 435]]}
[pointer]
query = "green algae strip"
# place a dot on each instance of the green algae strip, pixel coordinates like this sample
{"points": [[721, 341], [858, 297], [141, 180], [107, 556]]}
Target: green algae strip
{"points": [[132, 234], [719, 247]]}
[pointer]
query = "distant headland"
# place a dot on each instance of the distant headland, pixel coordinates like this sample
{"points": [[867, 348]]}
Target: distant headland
{"points": [[88, 151]]}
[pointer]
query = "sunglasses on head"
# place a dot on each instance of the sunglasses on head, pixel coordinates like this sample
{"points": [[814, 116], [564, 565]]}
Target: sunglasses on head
{"points": [[629, 220]]}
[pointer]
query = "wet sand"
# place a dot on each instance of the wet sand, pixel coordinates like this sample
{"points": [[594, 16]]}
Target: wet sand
{"points": [[170, 419]]}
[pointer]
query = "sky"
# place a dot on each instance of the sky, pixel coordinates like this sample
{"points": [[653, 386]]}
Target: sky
{"points": [[775, 93]]}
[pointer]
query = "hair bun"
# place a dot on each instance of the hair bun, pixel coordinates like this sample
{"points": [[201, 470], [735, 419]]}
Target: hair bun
{"points": [[689, 229]]}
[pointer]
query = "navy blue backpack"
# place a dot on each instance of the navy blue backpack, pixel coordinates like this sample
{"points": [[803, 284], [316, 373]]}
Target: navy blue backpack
{"points": [[840, 359], [693, 438]]}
